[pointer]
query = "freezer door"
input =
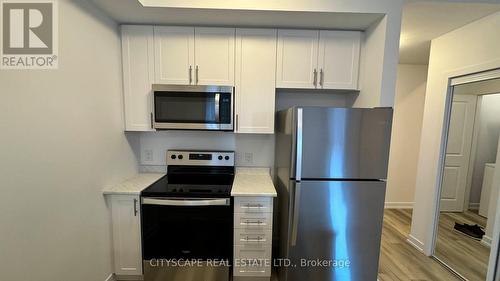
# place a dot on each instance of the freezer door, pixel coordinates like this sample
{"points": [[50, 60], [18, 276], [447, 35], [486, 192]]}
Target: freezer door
{"points": [[342, 143], [338, 223]]}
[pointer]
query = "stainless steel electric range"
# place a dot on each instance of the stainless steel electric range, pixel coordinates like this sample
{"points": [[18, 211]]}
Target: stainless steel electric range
{"points": [[187, 218]]}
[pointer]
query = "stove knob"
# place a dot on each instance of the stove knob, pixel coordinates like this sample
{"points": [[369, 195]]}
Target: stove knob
{"points": [[180, 157], [227, 157], [220, 157], [173, 156]]}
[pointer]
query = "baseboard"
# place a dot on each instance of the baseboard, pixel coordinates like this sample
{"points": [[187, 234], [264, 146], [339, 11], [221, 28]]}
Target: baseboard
{"points": [[473, 206], [111, 277], [398, 205], [486, 241], [415, 243]]}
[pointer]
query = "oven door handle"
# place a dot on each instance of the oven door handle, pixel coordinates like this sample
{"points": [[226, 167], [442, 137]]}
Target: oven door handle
{"points": [[186, 202]]}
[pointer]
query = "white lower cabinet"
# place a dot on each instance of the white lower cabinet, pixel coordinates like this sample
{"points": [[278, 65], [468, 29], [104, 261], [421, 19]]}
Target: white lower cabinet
{"points": [[252, 237], [126, 223]]}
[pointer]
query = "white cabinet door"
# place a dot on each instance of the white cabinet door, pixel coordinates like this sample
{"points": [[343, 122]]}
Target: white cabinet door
{"points": [[338, 59], [214, 56], [138, 75], [255, 80], [174, 55], [126, 234], [297, 59]]}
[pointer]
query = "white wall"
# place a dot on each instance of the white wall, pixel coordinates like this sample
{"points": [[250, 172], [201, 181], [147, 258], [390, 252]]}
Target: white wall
{"points": [[469, 49], [61, 142], [405, 141], [487, 141]]}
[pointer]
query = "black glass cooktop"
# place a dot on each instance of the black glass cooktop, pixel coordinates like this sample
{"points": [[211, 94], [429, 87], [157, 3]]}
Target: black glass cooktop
{"points": [[193, 181]]}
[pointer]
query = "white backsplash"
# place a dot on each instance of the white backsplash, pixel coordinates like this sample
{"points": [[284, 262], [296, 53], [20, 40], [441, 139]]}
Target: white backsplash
{"points": [[251, 150]]}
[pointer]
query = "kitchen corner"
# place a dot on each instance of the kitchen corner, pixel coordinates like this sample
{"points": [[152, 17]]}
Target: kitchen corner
{"points": [[251, 218]]}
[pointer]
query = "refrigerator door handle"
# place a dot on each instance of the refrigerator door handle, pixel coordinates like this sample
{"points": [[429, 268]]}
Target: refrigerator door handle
{"points": [[298, 165], [295, 214]]}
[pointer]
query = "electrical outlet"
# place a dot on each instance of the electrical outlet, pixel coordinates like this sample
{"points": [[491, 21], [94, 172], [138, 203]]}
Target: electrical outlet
{"points": [[248, 158], [148, 155]]}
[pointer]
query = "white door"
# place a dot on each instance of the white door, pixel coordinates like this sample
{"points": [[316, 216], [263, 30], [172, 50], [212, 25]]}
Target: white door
{"points": [[255, 80], [174, 55], [126, 234], [297, 59], [458, 153], [338, 59], [138, 76], [214, 56]]}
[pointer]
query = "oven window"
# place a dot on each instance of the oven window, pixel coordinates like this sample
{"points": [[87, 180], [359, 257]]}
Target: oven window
{"points": [[187, 232], [185, 107]]}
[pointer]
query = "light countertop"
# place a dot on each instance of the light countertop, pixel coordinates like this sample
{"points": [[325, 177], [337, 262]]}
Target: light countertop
{"points": [[253, 182], [133, 186], [492, 165]]}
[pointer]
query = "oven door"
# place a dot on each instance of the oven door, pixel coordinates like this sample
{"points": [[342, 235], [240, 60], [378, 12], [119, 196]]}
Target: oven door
{"points": [[187, 229], [193, 107]]}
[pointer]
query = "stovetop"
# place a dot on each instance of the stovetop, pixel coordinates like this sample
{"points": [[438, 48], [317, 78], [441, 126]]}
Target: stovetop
{"points": [[162, 188], [195, 175]]}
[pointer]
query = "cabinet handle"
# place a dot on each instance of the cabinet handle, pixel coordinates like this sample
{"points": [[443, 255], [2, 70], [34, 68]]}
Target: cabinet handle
{"points": [[151, 119], [197, 71], [315, 79], [248, 239], [253, 206], [237, 123], [321, 77], [135, 208], [249, 222], [190, 74]]}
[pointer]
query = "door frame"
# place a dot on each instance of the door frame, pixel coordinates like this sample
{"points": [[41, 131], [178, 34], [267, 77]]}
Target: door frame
{"points": [[454, 79]]}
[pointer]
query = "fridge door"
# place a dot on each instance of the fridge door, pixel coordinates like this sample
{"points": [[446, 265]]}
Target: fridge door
{"points": [[338, 223], [342, 143]]}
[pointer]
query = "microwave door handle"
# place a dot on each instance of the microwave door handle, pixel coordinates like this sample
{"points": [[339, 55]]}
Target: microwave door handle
{"points": [[183, 202], [217, 108]]}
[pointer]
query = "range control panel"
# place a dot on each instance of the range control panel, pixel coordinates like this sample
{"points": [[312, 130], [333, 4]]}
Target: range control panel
{"points": [[200, 158]]}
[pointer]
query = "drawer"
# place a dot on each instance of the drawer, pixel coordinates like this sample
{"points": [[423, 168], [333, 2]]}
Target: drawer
{"points": [[253, 220], [252, 236], [253, 205], [252, 260]]}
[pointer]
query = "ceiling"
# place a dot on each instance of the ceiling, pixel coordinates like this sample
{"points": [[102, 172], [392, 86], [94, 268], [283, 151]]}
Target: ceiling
{"points": [[425, 20], [131, 11]]}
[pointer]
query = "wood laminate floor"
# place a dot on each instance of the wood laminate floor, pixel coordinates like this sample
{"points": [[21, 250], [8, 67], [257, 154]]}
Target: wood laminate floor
{"points": [[401, 261], [467, 256]]}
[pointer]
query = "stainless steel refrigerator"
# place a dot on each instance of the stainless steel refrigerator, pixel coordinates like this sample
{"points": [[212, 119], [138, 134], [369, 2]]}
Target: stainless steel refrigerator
{"points": [[331, 168]]}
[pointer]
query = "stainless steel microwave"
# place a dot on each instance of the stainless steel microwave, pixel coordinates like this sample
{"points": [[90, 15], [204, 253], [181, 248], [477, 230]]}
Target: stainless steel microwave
{"points": [[179, 107]]}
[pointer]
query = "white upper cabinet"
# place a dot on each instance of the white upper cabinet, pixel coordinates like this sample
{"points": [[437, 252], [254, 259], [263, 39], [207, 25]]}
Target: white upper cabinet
{"points": [[255, 80], [138, 75], [338, 59], [310, 59], [214, 56], [297, 59], [174, 55]]}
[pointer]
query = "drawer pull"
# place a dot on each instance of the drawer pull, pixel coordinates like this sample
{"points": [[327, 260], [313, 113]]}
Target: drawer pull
{"points": [[253, 206], [258, 239], [252, 271], [248, 222]]}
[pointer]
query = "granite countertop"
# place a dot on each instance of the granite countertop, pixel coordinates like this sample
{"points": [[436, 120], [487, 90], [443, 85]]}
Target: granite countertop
{"points": [[133, 186], [253, 182]]}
